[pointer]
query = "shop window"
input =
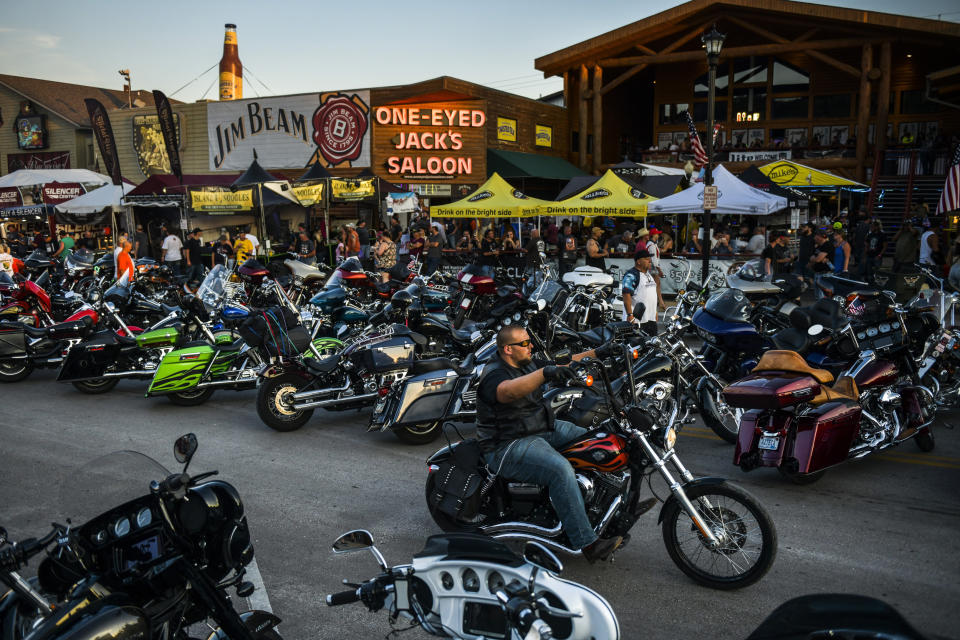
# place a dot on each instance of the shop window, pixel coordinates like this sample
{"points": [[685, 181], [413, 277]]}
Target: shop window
{"points": [[873, 102], [575, 142], [750, 70], [701, 86], [832, 106], [789, 79], [749, 104], [913, 102], [719, 111], [673, 113], [795, 107]]}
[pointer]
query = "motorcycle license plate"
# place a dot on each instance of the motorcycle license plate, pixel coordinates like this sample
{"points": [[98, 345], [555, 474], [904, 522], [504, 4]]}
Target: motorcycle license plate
{"points": [[381, 403], [769, 444], [465, 303]]}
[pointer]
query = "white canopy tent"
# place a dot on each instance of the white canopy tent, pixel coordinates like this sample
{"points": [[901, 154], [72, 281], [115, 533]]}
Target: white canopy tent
{"points": [[96, 200], [734, 197], [31, 177]]}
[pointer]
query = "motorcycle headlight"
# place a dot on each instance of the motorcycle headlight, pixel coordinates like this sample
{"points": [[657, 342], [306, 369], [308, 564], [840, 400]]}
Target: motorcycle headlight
{"points": [[669, 438]]}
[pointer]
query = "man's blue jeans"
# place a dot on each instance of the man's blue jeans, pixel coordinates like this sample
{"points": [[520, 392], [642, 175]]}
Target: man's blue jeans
{"points": [[535, 459]]}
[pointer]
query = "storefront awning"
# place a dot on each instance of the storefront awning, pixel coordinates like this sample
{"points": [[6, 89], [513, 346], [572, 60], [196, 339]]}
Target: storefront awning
{"points": [[610, 196], [36, 211], [515, 164]]}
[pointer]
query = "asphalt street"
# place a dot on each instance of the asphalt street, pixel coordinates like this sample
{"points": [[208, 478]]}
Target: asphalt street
{"points": [[885, 527]]}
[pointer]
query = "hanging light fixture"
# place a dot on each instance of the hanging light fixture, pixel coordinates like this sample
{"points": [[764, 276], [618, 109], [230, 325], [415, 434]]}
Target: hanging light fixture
{"points": [[713, 41]]}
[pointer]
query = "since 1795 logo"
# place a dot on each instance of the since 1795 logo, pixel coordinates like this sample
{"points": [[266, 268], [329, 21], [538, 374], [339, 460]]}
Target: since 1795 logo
{"points": [[339, 126]]}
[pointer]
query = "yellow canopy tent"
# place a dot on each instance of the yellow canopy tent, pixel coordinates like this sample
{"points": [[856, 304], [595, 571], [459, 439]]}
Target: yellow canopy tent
{"points": [[495, 198], [787, 173], [609, 196]]}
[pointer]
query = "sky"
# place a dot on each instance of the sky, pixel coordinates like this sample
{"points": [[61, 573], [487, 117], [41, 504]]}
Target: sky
{"points": [[298, 47]]}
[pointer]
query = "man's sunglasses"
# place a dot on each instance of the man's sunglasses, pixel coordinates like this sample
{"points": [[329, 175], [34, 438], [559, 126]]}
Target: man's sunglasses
{"points": [[522, 343]]}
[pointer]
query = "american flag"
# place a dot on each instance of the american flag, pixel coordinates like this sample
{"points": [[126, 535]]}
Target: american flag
{"points": [[699, 155], [950, 198]]}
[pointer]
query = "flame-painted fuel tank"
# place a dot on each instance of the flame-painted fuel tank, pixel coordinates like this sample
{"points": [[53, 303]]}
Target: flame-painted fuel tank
{"points": [[599, 451]]}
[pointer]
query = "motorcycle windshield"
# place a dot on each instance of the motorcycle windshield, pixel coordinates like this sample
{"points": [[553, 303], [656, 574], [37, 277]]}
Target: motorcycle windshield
{"points": [[81, 258], [351, 264], [107, 482], [730, 305], [752, 271], [212, 288]]}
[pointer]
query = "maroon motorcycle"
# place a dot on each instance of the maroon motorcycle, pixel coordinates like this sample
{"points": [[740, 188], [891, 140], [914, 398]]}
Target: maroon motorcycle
{"points": [[802, 421]]}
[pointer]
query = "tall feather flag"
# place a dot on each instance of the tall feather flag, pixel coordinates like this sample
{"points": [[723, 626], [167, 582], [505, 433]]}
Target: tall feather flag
{"points": [[699, 155], [169, 129], [950, 198], [103, 132]]}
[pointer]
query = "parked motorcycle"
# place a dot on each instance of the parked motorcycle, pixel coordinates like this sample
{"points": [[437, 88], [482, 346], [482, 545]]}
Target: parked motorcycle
{"points": [[138, 566], [801, 426], [24, 348], [471, 587], [715, 532]]}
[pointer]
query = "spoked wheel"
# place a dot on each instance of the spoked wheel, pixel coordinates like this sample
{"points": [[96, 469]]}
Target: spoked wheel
{"points": [[15, 370], [723, 419], [191, 398], [275, 404], [97, 385], [746, 538], [418, 434]]}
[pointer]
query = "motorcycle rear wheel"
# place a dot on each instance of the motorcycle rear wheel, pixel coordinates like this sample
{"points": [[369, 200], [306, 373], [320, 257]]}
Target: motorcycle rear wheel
{"points": [[723, 419], [14, 370], [191, 398], [418, 434], [748, 537], [276, 412], [96, 386]]}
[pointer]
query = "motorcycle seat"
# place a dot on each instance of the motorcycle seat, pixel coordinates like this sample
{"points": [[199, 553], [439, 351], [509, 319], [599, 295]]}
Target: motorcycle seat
{"points": [[323, 365], [462, 335], [33, 332], [432, 364], [791, 340], [168, 309], [384, 287], [845, 388], [791, 362], [234, 346], [126, 341], [505, 290]]}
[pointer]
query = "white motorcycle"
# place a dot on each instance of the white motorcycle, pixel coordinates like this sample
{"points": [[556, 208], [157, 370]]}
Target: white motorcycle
{"points": [[472, 587]]}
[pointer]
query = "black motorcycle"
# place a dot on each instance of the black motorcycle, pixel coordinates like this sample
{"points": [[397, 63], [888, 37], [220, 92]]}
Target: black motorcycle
{"points": [[145, 567]]}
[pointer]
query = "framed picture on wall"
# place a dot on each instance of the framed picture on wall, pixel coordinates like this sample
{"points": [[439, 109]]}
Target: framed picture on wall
{"points": [[679, 136], [797, 137], [930, 130], [820, 137], [872, 132], [756, 137], [739, 138], [839, 135], [664, 138], [910, 129]]}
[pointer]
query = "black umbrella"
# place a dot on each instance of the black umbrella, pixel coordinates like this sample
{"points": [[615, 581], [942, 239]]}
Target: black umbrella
{"points": [[316, 171]]}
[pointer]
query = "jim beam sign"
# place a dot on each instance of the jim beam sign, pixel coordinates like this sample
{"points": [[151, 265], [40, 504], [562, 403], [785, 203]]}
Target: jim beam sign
{"points": [[432, 141], [290, 132]]}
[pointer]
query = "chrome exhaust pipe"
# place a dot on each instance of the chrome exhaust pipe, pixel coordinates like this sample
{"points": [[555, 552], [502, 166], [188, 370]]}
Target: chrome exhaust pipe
{"points": [[521, 528], [319, 393], [127, 374], [326, 403]]}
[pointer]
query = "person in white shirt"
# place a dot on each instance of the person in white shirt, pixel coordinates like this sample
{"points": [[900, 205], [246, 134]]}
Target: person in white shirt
{"points": [[758, 241], [6, 260], [638, 285], [172, 255], [654, 250], [256, 243], [929, 244]]}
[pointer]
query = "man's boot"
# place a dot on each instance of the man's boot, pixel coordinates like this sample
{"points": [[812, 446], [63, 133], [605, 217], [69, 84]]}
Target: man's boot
{"points": [[601, 548]]}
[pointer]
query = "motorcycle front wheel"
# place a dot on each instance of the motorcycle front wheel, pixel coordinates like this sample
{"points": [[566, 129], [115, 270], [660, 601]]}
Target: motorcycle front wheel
{"points": [[97, 385], [746, 535], [15, 370], [723, 419], [191, 398], [275, 407]]}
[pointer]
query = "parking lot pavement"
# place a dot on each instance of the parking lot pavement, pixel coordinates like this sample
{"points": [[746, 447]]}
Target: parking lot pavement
{"points": [[886, 526]]}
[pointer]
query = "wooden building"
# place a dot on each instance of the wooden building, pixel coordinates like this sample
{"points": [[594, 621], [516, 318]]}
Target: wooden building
{"points": [[792, 77]]}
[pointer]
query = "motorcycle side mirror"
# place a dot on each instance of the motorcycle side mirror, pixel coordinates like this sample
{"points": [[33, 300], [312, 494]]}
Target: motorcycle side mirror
{"points": [[563, 357], [541, 304], [358, 540], [539, 556], [814, 330], [184, 448]]}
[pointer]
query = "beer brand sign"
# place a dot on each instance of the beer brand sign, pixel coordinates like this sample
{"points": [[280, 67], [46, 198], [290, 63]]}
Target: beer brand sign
{"points": [[544, 136], [290, 132], [506, 129]]}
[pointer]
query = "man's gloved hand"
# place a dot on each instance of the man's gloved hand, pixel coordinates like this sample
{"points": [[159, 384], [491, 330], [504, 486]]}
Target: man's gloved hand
{"points": [[608, 350], [556, 374]]}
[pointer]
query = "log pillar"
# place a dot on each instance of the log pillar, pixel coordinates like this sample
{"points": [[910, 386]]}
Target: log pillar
{"points": [[582, 111], [883, 100], [597, 98], [863, 112]]}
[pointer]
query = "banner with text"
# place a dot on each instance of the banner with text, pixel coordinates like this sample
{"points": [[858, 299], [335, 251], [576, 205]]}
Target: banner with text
{"points": [[290, 132], [310, 194], [221, 201], [352, 189]]}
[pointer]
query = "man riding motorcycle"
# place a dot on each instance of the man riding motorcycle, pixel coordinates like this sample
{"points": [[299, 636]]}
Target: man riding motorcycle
{"points": [[519, 439]]}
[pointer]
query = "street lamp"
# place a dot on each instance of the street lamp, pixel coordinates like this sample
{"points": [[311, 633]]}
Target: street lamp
{"points": [[712, 42]]}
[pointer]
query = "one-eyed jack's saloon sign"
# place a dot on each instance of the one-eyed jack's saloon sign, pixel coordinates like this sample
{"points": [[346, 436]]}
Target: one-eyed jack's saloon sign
{"points": [[435, 141]]}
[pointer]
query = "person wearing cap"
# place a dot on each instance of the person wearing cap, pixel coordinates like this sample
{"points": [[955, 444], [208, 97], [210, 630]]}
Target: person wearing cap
{"points": [[192, 256], [774, 255], [595, 255], [638, 285], [653, 248], [242, 247]]}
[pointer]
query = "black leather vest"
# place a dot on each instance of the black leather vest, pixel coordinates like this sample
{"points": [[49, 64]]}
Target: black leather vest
{"points": [[500, 423]]}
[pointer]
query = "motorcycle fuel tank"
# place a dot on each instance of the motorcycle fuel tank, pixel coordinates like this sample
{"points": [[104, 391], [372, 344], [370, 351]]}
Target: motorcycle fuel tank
{"points": [[95, 620], [740, 337], [878, 373], [329, 300], [599, 451]]}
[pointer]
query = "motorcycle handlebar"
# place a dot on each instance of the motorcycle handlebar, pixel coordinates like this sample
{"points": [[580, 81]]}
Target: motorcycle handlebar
{"points": [[343, 597], [16, 555]]}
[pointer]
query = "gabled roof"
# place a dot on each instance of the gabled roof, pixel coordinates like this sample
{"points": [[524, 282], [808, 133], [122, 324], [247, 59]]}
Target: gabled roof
{"points": [[66, 100], [675, 22]]}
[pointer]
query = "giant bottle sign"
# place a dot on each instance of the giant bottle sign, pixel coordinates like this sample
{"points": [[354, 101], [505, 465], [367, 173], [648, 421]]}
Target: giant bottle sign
{"points": [[290, 132]]}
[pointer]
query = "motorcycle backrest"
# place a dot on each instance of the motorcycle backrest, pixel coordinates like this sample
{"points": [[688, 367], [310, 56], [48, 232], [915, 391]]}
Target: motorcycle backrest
{"points": [[639, 309]]}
